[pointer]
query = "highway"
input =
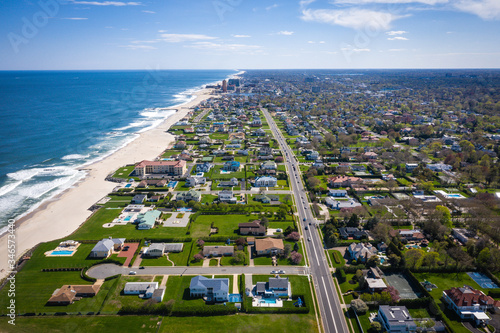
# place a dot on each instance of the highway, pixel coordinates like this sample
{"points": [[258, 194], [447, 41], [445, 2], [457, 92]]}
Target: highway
{"points": [[331, 312]]}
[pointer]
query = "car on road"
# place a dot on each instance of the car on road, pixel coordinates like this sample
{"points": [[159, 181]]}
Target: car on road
{"points": [[304, 219], [142, 267], [132, 273], [281, 271], [309, 223], [309, 239], [307, 228], [274, 272]]}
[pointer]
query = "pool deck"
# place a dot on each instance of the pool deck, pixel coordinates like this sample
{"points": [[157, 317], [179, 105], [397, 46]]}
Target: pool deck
{"points": [[63, 248]]}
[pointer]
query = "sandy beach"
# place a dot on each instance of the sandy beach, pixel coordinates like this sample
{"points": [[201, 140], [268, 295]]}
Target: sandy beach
{"points": [[63, 214]]}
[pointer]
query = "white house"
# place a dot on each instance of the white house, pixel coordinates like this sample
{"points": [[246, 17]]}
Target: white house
{"points": [[439, 167], [361, 251], [268, 165], [143, 289], [216, 289], [194, 181], [227, 196], [395, 319], [105, 247], [266, 181]]}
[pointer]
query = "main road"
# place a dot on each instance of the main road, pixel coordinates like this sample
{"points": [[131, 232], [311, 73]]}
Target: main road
{"points": [[329, 304]]}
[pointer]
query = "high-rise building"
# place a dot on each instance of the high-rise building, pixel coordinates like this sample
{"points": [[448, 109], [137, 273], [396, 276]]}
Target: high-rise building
{"points": [[235, 82], [224, 86]]}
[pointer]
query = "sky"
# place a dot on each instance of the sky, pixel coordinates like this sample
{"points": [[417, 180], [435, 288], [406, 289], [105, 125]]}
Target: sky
{"points": [[248, 34]]}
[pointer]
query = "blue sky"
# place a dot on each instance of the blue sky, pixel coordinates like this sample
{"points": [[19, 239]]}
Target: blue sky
{"points": [[246, 34]]}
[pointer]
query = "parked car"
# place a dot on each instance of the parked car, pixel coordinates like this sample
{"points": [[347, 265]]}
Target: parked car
{"points": [[132, 273], [281, 272]]}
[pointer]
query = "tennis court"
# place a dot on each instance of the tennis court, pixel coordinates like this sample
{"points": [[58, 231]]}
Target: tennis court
{"points": [[399, 281], [482, 280]]}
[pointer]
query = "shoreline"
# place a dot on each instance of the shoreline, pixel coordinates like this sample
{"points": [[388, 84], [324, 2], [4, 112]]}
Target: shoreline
{"points": [[64, 213]]}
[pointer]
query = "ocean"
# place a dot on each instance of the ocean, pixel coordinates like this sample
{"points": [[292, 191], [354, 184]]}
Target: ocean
{"points": [[55, 122]]}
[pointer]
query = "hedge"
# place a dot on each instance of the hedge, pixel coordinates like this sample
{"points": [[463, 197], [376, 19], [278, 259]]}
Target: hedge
{"points": [[203, 310], [159, 308], [84, 275]]}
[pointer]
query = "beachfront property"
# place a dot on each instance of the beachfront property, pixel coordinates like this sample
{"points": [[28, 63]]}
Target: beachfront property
{"points": [[269, 246], [218, 251], [148, 219], [215, 289], [173, 168], [105, 247], [470, 304], [188, 196], [67, 294], [64, 249], [396, 319], [143, 289], [138, 199], [265, 181]]}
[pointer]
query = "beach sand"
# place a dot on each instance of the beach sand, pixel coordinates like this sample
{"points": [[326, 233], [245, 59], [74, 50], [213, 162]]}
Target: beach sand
{"points": [[63, 214]]}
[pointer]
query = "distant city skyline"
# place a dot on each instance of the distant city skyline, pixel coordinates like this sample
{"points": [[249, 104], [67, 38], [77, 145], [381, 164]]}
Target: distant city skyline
{"points": [[243, 34]]}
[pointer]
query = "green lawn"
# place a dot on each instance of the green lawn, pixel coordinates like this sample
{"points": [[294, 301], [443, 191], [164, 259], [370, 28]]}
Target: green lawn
{"points": [[226, 176], [116, 299], [208, 198], [345, 286], [161, 261], [84, 324], [123, 172], [339, 257], [227, 224], [263, 261], [241, 323]]}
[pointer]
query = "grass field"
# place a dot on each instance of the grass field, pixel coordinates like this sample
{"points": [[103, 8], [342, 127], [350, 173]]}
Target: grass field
{"points": [[339, 257]]}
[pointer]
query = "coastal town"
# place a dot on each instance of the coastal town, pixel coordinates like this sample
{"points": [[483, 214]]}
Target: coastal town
{"points": [[315, 201]]}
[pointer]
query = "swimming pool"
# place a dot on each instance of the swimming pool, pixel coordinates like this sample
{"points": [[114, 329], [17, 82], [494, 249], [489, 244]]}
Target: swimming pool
{"points": [[128, 218], [61, 253], [128, 185], [234, 298], [268, 300]]}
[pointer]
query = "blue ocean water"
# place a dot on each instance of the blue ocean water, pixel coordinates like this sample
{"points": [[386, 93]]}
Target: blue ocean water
{"points": [[54, 122]]}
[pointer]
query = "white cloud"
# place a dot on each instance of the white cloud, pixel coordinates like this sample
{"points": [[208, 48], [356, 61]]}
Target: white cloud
{"points": [[397, 38], [221, 47], [305, 3], [395, 33], [349, 48], [485, 9], [322, 42], [361, 50], [396, 50], [148, 12], [351, 18], [286, 33], [106, 3], [74, 18], [272, 6], [311, 42], [241, 36], [178, 38], [359, 2]]}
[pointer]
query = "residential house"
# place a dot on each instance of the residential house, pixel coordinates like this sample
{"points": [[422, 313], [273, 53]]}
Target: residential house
{"points": [[227, 196], [180, 145], [138, 199], [265, 181], [215, 289], [194, 181], [143, 289], [344, 181], [469, 303], [337, 193], [147, 220], [461, 235], [106, 246], [361, 251], [373, 279], [268, 165], [353, 233], [158, 294], [204, 167], [175, 168], [370, 155], [67, 294], [229, 183], [275, 287], [231, 166], [408, 235], [411, 166], [155, 250], [439, 167], [339, 204], [252, 228], [151, 182], [396, 319], [269, 246], [188, 196], [218, 251]]}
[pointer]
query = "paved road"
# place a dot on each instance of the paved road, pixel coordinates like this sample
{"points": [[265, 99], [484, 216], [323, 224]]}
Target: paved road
{"points": [[329, 304], [105, 270]]}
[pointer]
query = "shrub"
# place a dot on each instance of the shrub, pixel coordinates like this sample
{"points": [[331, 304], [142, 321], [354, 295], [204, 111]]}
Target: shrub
{"points": [[359, 306]]}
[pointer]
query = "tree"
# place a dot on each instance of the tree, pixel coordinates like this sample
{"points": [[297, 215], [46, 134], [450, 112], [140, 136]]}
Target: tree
{"points": [[373, 261], [295, 258], [359, 306], [296, 247], [446, 217], [238, 257], [294, 236], [394, 294], [264, 221], [353, 221], [200, 242], [240, 241], [413, 257], [288, 250], [394, 259], [430, 259], [198, 256], [381, 232], [375, 326]]}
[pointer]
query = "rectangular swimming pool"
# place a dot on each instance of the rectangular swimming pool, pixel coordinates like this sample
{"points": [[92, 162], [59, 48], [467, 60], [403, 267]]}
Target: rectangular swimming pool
{"points": [[268, 300], [61, 253], [128, 185], [128, 218], [234, 298]]}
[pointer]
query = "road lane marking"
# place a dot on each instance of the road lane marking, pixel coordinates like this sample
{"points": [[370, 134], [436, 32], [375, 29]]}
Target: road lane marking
{"points": [[329, 305]]}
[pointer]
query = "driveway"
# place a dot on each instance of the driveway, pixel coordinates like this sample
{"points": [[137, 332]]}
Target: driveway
{"points": [[129, 254]]}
